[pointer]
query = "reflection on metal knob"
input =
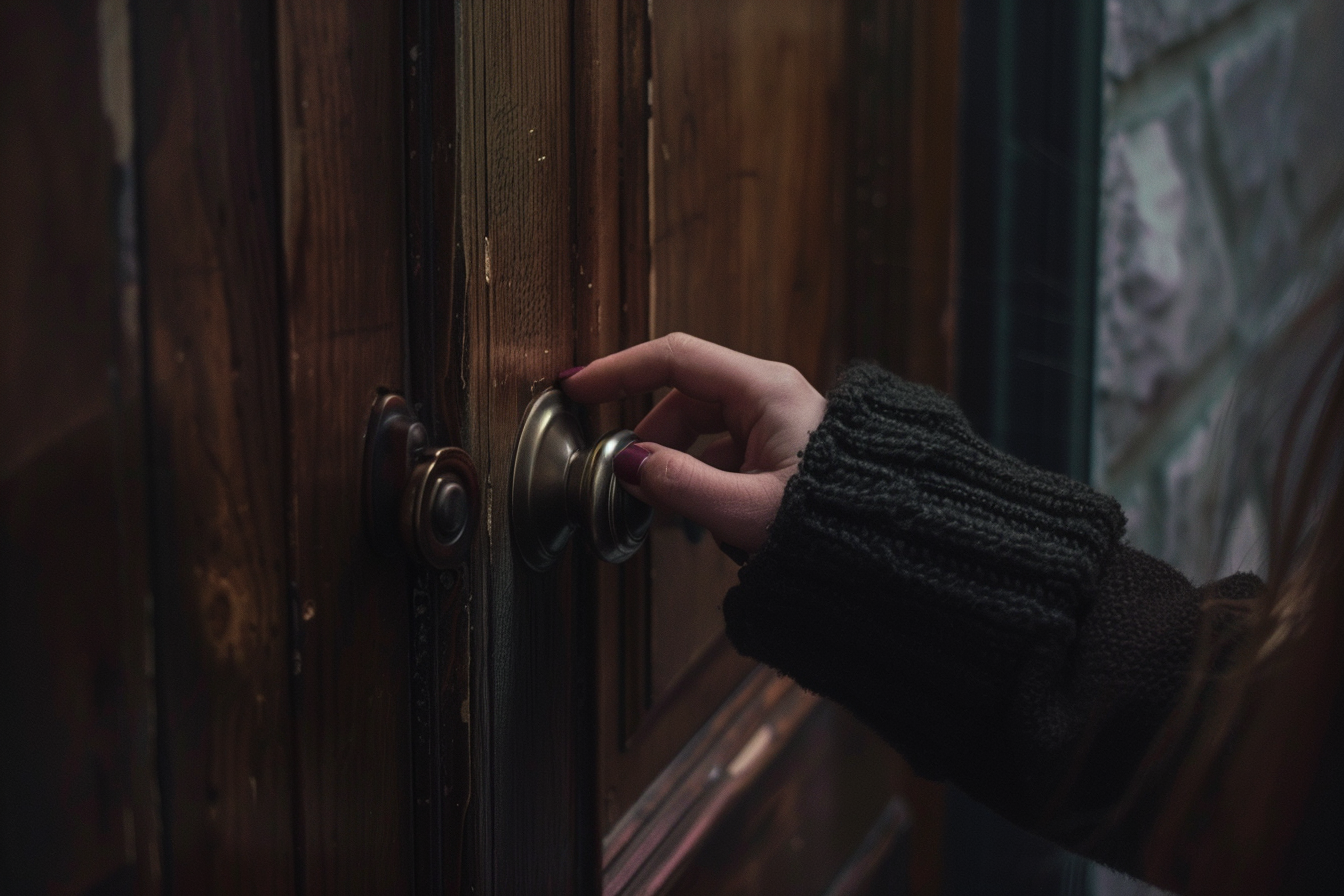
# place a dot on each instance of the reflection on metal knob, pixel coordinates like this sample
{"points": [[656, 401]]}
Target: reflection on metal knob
{"points": [[421, 497], [438, 508], [558, 486]]}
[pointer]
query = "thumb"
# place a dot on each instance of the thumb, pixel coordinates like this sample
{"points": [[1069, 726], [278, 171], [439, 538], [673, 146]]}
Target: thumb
{"points": [[737, 508]]}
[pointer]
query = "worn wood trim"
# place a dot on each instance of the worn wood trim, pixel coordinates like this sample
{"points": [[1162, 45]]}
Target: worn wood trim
{"points": [[518, 195], [645, 849], [439, 664], [474, 299], [601, 312]]}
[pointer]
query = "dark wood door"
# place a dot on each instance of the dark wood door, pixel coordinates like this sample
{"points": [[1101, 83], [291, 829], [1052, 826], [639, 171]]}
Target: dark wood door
{"points": [[226, 230]]}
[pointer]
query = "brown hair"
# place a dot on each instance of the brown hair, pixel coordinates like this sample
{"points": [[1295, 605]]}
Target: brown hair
{"points": [[1232, 771]]}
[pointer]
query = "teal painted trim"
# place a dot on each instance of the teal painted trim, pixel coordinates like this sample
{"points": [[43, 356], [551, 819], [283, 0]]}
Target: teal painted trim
{"points": [[1086, 229], [1004, 266]]}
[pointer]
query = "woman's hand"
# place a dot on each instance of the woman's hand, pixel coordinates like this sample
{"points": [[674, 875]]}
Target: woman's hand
{"points": [[765, 409]]}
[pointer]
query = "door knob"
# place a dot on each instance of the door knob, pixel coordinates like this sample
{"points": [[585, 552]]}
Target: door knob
{"points": [[416, 497], [559, 485]]}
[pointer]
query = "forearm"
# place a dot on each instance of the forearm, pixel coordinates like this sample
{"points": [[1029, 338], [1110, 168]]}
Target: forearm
{"points": [[983, 616]]}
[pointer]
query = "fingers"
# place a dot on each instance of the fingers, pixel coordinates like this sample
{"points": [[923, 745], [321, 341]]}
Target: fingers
{"points": [[699, 369], [736, 508], [724, 453], [678, 420]]}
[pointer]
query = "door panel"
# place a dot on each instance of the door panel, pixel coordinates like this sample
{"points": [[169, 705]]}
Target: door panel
{"points": [[744, 164], [342, 211], [747, 176], [210, 238]]}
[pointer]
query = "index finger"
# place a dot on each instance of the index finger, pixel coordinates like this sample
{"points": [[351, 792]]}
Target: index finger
{"points": [[695, 367]]}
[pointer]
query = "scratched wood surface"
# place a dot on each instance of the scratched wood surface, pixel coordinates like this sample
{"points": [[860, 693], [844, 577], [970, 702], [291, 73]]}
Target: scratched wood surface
{"points": [[342, 212], [78, 808], [518, 237], [213, 318]]}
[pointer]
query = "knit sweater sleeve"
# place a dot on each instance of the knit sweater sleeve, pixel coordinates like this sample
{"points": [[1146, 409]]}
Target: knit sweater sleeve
{"points": [[983, 616]]}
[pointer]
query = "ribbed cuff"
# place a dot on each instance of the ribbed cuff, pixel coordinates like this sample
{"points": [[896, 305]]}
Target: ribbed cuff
{"points": [[912, 567]]}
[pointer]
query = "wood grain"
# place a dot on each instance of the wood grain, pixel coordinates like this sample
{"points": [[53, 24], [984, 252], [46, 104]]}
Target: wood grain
{"points": [[518, 232], [746, 176], [341, 151], [878, 213], [735, 237], [78, 801], [902, 151], [605, 251], [927, 352], [747, 161], [211, 270]]}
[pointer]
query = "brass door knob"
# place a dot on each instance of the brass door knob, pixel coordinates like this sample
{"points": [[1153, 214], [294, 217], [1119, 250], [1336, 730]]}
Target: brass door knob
{"points": [[416, 497], [559, 485]]}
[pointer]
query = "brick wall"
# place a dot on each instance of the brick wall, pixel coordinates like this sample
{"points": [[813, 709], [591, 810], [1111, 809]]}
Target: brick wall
{"points": [[1222, 214]]}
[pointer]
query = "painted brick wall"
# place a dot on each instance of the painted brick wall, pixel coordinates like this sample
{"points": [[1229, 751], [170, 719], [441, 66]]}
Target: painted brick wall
{"points": [[1222, 214]]}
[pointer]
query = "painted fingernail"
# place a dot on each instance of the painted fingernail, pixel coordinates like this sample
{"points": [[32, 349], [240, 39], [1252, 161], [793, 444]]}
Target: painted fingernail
{"points": [[566, 374], [629, 462]]}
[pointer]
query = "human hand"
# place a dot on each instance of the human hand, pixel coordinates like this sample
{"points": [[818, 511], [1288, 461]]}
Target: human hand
{"points": [[765, 409]]}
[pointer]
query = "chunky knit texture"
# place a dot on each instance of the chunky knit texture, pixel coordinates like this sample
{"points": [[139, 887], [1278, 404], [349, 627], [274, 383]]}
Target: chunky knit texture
{"points": [[982, 615]]}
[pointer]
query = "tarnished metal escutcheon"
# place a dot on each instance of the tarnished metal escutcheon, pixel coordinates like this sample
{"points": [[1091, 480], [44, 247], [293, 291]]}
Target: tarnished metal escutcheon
{"points": [[416, 498]]}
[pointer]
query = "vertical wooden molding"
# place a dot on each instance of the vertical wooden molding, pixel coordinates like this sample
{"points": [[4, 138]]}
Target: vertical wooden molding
{"points": [[516, 75]]}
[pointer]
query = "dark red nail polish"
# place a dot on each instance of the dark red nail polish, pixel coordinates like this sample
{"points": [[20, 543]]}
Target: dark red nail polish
{"points": [[629, 462], [566, 374]]}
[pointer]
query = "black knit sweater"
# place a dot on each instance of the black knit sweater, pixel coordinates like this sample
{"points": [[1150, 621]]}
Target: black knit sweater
{"points": [[984, 616]]}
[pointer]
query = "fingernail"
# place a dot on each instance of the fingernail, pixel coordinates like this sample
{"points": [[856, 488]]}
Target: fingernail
{"points": [[566, 374], [629, 462]]}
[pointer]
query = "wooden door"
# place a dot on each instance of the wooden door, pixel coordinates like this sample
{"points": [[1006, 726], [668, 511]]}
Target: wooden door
{"points": [[212, 683], [274, 267], [227, 228], [773, 176]]}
